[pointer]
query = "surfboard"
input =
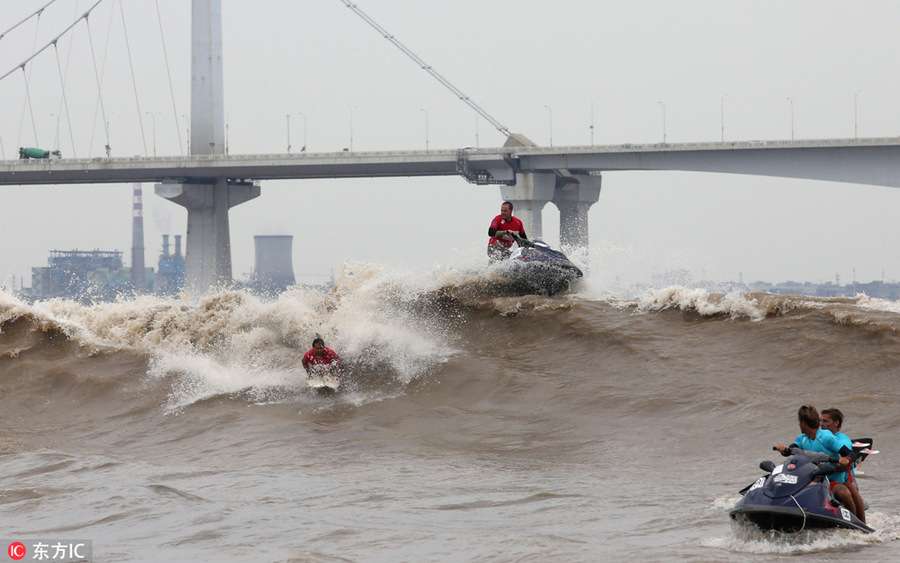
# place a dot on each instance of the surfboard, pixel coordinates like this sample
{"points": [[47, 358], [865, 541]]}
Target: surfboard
{"points": [[325, 385]]}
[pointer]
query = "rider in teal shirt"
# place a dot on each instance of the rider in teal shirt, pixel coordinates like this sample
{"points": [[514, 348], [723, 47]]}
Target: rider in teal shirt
{"points": [[827, 443]]}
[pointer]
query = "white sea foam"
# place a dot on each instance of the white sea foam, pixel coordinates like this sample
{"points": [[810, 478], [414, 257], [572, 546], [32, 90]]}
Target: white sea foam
{"points": [[231, 341]]}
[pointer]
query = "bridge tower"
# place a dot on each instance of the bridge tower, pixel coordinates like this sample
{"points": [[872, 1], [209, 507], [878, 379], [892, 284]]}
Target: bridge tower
{"points": [[208, 245]]}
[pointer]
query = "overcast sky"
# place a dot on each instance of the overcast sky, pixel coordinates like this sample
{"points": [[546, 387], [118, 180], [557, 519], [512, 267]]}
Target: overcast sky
{"points": [[756, 70]]}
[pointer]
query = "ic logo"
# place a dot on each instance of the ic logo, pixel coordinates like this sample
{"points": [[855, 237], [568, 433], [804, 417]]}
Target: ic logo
{"points": [[16, 550]]}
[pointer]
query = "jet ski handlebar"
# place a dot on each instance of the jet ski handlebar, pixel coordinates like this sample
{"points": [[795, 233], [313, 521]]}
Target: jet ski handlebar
{"points": [[521, 241]]}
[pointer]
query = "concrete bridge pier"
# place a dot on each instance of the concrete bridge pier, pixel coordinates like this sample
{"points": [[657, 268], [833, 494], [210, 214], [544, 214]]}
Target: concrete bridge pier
{"points": [[208, 245], [574, 200], [529, 195]]}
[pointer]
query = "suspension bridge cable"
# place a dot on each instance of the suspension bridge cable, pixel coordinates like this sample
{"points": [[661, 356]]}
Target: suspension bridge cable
{"points": [[99, 89], [51, 42], [30, 108], [27, 101], [64, 102], [36, 13], [169, 73], [2, 35], [137, 100], [427, 68], [64, 79]]}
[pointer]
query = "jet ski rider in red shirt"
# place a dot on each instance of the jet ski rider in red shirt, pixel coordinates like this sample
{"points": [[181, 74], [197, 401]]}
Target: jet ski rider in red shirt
{"points": [[501, 231]]}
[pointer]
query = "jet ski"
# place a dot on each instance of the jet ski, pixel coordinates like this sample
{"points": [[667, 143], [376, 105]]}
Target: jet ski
{"points": [[794, 496], [534, 268]]}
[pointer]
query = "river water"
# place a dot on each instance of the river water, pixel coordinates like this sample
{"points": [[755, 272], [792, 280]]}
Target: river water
{"points": [[471, 428]]}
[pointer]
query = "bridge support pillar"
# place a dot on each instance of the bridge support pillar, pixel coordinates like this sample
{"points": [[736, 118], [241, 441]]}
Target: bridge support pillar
{"points": [[574, 200], [529, 195], [208, 245]]}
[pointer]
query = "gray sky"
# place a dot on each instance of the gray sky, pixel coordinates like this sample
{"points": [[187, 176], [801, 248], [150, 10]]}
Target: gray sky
{"points": [[545, 70]]}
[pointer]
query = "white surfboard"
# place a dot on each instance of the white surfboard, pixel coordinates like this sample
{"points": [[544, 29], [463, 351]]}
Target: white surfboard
{"points": [[326, 384]]}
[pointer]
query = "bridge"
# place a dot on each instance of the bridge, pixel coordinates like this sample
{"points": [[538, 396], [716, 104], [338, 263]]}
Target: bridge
{"points": [[529, 176], [208, 182]]}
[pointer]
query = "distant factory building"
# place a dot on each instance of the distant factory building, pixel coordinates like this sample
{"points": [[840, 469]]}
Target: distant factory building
{"points": [[84, 275]]}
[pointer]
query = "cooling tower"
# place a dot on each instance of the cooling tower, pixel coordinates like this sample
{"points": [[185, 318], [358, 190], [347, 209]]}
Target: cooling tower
{"points": [[274, 266]]}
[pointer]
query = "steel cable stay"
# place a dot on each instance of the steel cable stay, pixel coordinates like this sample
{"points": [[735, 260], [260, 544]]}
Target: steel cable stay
{"points": [[27, 104], [137, 100], [37, 13], [51, 42], [99, 81], [428, 68], [35, 53], [169, 74], [27, 101], [63, 103]]}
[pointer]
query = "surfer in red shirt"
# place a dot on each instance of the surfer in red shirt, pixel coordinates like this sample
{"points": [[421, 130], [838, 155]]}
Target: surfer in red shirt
{"points": [[501, 231], [321, 358]]}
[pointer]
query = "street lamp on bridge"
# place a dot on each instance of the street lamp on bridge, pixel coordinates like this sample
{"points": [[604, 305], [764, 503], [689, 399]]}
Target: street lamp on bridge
{"points": [[351, 128], [664, 121], [58, 118], [152, 115], [187, 130], [303, 115], [792, 118], [723, 117]]}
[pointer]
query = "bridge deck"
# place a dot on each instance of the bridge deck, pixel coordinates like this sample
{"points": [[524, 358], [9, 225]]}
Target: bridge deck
{"points": [[802, 159]]}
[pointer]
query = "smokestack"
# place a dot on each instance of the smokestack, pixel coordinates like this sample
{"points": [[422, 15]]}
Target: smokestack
{"points": [[137, 241], [273, 260], [178, 245], [165, 245]]}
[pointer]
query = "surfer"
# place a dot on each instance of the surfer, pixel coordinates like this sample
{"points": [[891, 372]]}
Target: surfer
{"points": [[322, 358], [501, 231]]}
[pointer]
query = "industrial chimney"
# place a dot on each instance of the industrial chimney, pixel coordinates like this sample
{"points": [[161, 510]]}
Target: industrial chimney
{"points": [[274, 266], [137, 241]]}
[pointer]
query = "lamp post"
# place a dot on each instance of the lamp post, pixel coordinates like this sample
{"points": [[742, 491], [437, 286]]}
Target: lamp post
{"points": [[664, 121], [856, 115], [723, 117], [188, 131], [550, 114], [792, 118], [592, 123], [152, 115], [56, 137], [288, 117], [351, 129], [426, 127], [303, 115], [476, 131]]}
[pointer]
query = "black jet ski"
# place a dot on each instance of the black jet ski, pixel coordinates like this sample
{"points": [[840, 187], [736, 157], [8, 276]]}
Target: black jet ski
{"points": [[794, 496], [534, 268]]}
